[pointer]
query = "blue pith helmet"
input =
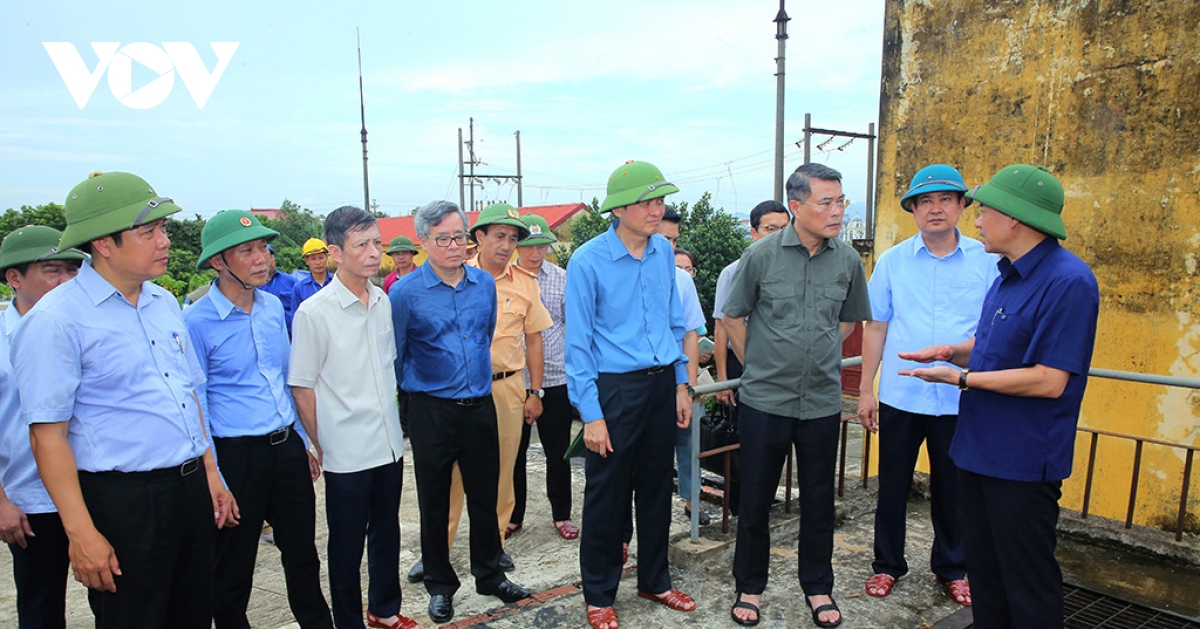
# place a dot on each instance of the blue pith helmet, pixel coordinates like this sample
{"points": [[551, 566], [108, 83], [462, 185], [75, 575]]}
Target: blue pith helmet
{"points": [[934, 178]]}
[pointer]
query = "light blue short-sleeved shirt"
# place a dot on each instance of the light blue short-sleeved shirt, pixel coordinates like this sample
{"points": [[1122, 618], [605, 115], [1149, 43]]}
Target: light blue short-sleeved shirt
{"points": [[18, 470], [123, 376], [693, 312], [926, 300], [244, 356]]}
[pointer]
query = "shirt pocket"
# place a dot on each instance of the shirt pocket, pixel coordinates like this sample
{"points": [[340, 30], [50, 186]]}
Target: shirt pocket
{"points": [[966, 298], [1008, 340], [833, 296], [782, 302]]}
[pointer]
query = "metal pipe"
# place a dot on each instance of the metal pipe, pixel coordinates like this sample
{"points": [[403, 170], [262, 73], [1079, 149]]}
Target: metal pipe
{"points": [[1087, 484], [1137, 468], [694, 437], [1183, 496]]}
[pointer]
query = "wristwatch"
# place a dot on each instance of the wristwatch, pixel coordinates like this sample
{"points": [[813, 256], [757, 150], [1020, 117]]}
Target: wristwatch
{"points": [[691, 391], [541, 393], [962, 380]]}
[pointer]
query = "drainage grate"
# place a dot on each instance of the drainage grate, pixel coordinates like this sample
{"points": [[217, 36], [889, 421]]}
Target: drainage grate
{"points": [[1085, 609]]}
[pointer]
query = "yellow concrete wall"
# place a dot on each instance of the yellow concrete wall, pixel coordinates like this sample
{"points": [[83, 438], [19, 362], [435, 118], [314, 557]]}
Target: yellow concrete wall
{"points": [[1107, 96]]}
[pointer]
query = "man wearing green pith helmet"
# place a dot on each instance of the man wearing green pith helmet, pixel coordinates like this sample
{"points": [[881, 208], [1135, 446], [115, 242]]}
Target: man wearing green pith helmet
{"points": [[1022, 376], [240, 337], [118, 435], [627, 375]]}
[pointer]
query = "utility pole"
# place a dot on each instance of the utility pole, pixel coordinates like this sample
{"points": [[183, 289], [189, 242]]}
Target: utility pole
{"points": [[781, 20], [362, 109], [520, 192], [471, 161]]}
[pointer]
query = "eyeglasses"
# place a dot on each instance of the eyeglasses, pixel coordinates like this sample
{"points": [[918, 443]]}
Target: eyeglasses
{"points": [[691, 270], [828, 206], [769, 229], [444, 241]]}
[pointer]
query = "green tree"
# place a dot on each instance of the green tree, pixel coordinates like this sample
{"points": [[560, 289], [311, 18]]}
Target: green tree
{"points": [[588, 225], [716, 239], [50, 215], [295, 225]]}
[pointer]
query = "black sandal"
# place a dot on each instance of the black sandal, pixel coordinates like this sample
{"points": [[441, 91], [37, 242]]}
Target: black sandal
{"points": [[831, 606], [740, 604]]}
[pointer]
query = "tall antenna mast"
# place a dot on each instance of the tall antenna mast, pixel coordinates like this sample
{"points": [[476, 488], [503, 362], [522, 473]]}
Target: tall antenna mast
{"points": [[362, 109]]}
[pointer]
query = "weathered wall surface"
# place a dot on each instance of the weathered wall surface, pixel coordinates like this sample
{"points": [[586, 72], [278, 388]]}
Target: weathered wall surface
{"points": [[1106, 94]]}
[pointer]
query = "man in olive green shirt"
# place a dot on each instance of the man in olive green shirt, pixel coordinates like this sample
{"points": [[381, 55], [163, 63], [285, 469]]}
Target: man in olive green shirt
{"points": [[804, 289]]}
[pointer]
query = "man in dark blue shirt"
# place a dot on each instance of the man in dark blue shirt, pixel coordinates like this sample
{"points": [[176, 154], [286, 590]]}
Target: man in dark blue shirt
{"points": [[443, 316], [627, 375], [1026, 370], [281, 285]]}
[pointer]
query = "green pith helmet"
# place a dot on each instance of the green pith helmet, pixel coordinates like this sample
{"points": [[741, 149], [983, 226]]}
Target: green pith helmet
{"points": [[1029, 194], [539, 231], [33, 243], [228, 229], [108, 203], [401, 244], [635, 182], [500, 214]]}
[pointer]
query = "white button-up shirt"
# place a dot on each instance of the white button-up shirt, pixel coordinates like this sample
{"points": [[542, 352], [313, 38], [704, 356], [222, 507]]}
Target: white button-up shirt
{"points": [[345, 351]]}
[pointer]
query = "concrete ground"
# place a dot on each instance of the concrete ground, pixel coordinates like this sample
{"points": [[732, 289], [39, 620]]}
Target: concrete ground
{"points": [[549, 566]]}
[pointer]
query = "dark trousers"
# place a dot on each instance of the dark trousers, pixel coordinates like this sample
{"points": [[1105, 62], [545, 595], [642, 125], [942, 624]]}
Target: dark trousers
{"points": [[271, 483], [900, 436], [765, 442], [445, 432], [160, 525], [1010, 530], [357, 505], [554, 430], [639, 411], [40, 573]]}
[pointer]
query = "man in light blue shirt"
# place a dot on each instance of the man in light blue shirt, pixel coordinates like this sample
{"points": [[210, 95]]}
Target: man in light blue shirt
{"points": [[627, 376], [31, 264], [926, 290], [117, 433], [241, 341]]}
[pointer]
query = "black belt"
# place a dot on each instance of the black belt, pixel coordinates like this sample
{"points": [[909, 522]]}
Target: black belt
{"points": [[272, 439], [187, 468], [469, 401], [650, 371], [500, 375]]}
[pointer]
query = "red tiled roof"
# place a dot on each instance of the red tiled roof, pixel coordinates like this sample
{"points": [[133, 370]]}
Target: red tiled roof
{"points": [[272, 214], [555, 216]]}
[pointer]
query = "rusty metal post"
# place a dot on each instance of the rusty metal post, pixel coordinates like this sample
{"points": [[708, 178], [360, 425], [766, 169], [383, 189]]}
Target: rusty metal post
{"points": [[1137, 468], [1087, 485], [1183, 495], [725, 494]]}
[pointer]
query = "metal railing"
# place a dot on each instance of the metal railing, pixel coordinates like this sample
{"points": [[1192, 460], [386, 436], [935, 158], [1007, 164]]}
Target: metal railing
{"points": [[1110, 374]]}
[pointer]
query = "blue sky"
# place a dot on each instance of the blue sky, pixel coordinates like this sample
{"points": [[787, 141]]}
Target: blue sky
{"points": [[689, 86]]}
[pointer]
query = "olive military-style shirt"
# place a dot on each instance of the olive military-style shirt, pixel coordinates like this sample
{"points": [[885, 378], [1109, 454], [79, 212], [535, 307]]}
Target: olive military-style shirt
{"points": [[795, 303]]}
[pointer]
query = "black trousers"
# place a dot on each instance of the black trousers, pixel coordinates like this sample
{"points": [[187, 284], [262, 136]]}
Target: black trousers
{"points": [[1010, 529], [160, 525], [445, 432], [40, 574], [900, 436], [765, 442], [271, 483], [554, 430], [360, 505], [639, 411]]}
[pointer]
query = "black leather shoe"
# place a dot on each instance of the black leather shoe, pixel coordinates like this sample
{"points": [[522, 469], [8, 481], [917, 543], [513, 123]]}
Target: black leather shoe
{"points": [[417, 574], [505, 590], [506, 562], [441, 608]]}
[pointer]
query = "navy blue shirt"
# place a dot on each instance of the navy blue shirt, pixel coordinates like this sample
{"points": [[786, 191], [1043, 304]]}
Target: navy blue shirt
{"points": [[281, 285], [444, 333], [306, 287], [1042, 310]]}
